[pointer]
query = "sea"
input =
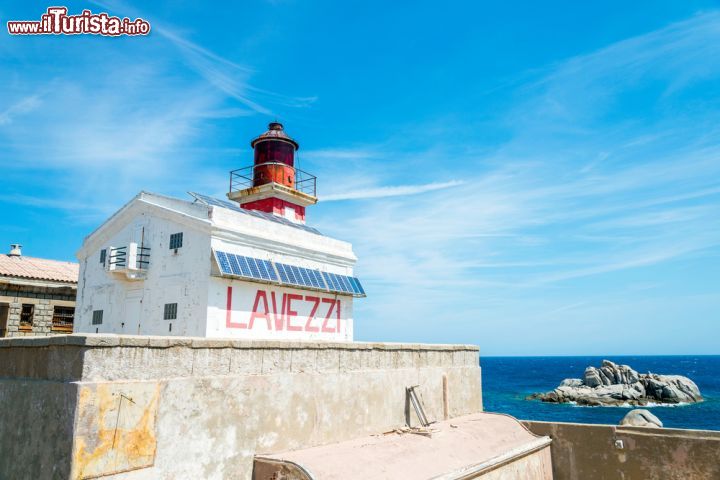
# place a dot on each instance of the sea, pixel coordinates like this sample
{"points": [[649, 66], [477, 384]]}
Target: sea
{"points": [[506, 381]]}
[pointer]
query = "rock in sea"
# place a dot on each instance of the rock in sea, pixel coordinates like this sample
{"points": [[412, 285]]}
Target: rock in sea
{"points": [[612, 384], [641, 418]]}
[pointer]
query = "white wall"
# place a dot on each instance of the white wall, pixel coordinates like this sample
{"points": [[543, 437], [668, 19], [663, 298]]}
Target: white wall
{"points": [[136, 307], [244, 296], [191, 278], [266, 311]]}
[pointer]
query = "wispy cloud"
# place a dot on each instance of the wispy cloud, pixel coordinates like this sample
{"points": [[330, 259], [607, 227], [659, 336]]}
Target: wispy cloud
{"points": [[22, 106], [390, 191], [572, 198], [132, 121], [230, 77]]}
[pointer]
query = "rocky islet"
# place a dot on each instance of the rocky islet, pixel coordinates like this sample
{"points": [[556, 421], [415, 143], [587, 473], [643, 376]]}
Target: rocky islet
{"points": [[617, 385]]}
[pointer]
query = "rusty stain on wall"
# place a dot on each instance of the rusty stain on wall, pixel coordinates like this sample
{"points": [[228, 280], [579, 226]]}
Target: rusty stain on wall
{"points": [[115, 428]]}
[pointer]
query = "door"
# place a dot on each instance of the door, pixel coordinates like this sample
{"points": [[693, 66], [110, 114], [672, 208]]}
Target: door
{"points": [[133, 312]]}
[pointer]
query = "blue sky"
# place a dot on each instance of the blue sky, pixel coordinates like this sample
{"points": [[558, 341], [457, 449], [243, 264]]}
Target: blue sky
{"points": [[532, 177]]}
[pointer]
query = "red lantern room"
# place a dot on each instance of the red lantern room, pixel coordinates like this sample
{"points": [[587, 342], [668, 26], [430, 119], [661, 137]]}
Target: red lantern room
{"points": [[274, 157], [273, 184]]}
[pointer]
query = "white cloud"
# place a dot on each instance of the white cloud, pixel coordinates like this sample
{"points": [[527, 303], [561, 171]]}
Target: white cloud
{"points": [[134, 120], [390, 191], [570, 198], [22, 106]]}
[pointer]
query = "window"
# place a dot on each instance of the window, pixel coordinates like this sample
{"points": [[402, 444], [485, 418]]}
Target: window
{"points": [[176, 241], [62, 320], [103, 254], [170, 311], [26, 316], [97, 317]]}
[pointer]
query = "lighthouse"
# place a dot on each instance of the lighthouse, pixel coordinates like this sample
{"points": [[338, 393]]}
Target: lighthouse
{"points": [[273, 184], [243, 267]]}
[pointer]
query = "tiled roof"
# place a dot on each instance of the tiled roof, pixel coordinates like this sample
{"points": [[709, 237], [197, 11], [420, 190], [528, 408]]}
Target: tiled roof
{"points": [[38, 268]]}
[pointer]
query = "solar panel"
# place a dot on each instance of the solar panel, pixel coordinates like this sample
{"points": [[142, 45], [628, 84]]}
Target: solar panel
{"points": [[296, 274], [270, 269], [357, 288], [235, 265], [300, 276], [291, 274], [216, 202], [263, 270], [350, 285], [284, 274], [223, 263], [311, 277], [344, 284], [305, 276], [339, 281], [244, 267], [281, 271], [329, 281], [318, 279]]}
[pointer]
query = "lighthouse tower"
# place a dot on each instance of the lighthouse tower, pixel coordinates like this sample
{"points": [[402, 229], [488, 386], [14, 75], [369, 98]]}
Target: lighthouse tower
{"points": [[273, 184]]}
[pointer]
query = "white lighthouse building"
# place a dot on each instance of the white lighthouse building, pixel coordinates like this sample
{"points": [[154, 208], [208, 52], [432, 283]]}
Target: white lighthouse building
{"points": [[246, 267]]}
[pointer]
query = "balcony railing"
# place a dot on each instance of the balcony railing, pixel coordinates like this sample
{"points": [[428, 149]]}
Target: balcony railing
{"points": [[130, 260], [244, 178], [142, 259], [117, 258]]}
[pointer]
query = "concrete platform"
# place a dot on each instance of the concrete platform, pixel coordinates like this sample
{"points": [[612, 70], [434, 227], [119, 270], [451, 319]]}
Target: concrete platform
{"points": [[149, 408], [482, 445]]}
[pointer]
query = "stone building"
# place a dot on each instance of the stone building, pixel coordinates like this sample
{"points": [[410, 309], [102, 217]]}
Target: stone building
{"points": [[37, 296]]}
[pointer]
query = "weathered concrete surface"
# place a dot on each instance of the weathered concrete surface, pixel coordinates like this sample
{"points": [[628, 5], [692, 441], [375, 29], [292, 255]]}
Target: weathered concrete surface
{"points": [[36, 428], [168, 407], [115, 428], [589, 452], [481, 445], [535, 466]]}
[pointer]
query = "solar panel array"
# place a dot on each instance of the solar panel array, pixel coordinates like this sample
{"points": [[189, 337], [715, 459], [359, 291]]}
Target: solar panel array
{"points": [[284, 274], [216, 202], [248, 267]]}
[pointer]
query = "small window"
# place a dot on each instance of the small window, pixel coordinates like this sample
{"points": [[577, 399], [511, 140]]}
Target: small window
{"points": [[103, 254], [97, 317], [170, 311], [176, 241], [62, 320], [26, 316]]}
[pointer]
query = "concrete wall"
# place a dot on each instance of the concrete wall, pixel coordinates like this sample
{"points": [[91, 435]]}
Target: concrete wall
{"points": [[536, 466], [161, 407], [589, 452], [44, 296]]}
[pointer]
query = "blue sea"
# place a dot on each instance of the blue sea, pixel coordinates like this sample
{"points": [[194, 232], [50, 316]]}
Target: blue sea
{"points": [[507, 381]]}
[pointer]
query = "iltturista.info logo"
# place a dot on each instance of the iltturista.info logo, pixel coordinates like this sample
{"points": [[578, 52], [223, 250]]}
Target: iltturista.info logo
{"points": [[57, 22]]}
